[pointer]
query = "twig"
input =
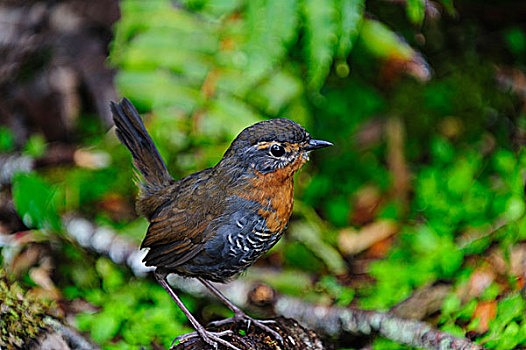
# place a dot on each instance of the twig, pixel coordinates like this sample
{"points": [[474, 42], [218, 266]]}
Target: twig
{"points": [[12, 164], [332, 320], [395, 133], [74, 339]]}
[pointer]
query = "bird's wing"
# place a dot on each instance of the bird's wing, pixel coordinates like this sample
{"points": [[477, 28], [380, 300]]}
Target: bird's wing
{"points": [[179, 228], [174, 237]]}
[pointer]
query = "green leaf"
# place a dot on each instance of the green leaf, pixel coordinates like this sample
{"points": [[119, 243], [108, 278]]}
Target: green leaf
{"points": [[516, 40], [105, 326], [382, 42], [351, 15], [277, 92], [343, 295], [271, 26], [511, 336], [228, 116], [505, 161], [450, 305], [217, 8], [461, 176], [297, 255], [321, 37], [514, 208], [159, 89], [7, 140], [442, 150], [338, 210], [111, 275], [165, 48], [510, 308], [386, 344], [416, 11], [137, 17], [36, 146], [310, 235], [34, 201]]}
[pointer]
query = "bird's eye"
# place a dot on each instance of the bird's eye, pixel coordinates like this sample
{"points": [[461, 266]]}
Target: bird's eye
{"points": [[277, 150]]}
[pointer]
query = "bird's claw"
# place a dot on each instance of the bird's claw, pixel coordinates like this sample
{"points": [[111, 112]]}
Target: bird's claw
{"points": [[249, 320], [211, 338], [221, 322]]}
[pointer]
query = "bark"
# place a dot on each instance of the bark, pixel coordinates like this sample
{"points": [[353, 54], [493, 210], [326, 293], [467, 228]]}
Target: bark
{"points": [[294, 337], [334, 320]]}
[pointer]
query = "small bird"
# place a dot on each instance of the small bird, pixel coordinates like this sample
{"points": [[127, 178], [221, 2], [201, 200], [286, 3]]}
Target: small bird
{"points": [[213, 224]]}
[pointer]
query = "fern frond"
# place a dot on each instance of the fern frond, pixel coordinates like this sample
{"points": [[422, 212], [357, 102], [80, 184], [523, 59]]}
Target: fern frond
{"points": [[270, 26], [351, 15], [320, 39]]}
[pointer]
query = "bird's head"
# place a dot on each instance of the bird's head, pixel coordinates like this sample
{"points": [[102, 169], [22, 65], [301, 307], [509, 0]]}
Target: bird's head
{"points": [[271, 145]]}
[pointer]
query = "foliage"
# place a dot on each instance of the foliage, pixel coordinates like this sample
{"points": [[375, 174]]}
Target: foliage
{"points": [[35, 202], [227, 66], [7, 140], [482, 192], [206, 69], [117, 295], [508, 329]]}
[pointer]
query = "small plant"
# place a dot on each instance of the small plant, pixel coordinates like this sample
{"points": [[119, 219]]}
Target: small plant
{"points": [[21, 314]]}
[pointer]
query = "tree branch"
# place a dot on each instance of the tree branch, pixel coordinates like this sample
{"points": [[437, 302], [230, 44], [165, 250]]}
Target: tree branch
{"points": [[330, 320], [334, 320]]}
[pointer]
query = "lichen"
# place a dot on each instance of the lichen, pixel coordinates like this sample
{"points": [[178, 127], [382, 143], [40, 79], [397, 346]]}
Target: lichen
{"points": [[21, 314]]}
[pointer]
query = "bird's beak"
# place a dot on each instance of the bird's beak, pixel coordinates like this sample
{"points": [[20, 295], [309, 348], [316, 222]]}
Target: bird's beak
{"points": [[315, 144]]}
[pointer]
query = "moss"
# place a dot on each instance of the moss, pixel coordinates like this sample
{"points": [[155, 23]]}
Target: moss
{"points": [[21, 314]]}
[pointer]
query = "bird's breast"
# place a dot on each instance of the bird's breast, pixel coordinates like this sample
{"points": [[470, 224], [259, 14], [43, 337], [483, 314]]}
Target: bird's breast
{"points": [[274, 193]]}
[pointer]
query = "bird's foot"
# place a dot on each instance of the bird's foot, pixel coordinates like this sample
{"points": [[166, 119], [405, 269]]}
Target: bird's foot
{"points": [[211, 338], [241, 316]]}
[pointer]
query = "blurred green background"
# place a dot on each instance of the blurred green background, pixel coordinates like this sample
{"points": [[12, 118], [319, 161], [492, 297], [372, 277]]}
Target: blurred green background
{"points": [[425, 102]]}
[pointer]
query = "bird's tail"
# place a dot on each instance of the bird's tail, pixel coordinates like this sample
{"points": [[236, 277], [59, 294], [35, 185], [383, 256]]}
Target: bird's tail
{"points": [[132, 133]]}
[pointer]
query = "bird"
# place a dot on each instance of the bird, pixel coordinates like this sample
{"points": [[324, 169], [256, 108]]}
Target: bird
{"points": [[215, 223]]}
